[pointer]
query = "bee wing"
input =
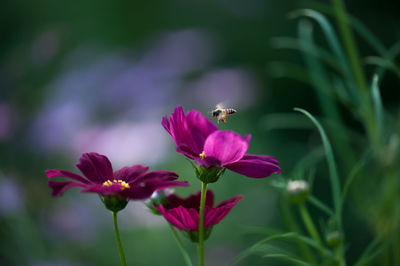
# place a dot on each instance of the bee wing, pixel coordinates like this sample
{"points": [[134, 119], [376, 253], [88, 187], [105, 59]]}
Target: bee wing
{"points": [[221, 105]]}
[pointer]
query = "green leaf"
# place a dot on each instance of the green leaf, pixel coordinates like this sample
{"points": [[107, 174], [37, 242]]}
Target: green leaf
{"points": [[391, 54], [333, 173], [327, 30], [358, 26], [377, 102], [334, 44], [384, 63], [367, 255], [364, 32], [301, 45], [320, 205], [253, 249], [291, 235], [353, 173], [297, 261], [308, 160]]}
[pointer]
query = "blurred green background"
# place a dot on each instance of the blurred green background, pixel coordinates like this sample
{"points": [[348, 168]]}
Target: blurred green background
{"points": [[83, 76]]}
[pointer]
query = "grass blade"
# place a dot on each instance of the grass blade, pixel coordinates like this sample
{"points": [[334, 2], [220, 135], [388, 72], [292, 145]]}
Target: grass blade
{"points": [[368, 255], [320, 205], [333, 173], [291, 235], [288, 258], [334, 45], [328, 31], [350, 178], [384, 63], [377, 102], [358, 26], [253, 249], [296, 44]]}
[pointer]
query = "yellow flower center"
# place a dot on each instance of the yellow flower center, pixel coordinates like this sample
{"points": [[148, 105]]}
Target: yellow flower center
{"points": [[202, 155], [123, 184]]}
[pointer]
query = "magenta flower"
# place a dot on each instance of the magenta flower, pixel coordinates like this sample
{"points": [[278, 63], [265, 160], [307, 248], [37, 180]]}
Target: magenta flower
{"points": [[130, 182], [183, 213], [199, 139]]}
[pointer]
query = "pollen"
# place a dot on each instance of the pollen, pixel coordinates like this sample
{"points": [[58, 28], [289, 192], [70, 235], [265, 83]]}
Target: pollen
{"points": [[123, 184], [202, 155]]}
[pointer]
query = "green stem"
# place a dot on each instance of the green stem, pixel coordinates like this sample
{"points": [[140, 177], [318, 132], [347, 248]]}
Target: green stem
{"points": [[354, 59], [340, 255], [181, 246], [121, 250], [350, 45], [200, 246], [310, 225], [293, 226]]}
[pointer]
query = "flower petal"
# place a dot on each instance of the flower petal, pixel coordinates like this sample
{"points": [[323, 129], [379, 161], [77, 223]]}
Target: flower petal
{"points": [[180, 218], [178, 129], [59, 187], [215, 215], [188, 152], [230, 202], [160, 175], [192, 201], [96, 167], [62, 173], [226, 146], [188, 132], [266, 158], [129, 173], [255, 166], [200, 128], [104, 190], [145, 189]]}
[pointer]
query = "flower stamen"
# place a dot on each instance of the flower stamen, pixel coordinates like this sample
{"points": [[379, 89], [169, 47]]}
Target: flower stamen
{"points": [[202, 155], [122, 183]]}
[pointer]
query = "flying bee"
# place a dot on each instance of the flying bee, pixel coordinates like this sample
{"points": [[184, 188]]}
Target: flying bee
{"points": [[220, 113]]}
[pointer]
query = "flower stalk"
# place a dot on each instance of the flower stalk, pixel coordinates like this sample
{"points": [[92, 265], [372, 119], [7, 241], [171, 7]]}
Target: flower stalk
{"points": [[200, 246], [310, 225], [120, 248], [181, 247]]}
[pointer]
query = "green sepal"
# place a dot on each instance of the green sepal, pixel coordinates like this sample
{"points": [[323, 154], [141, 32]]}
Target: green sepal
{"points": [[114, 203], [194, 235], [208, 174]]}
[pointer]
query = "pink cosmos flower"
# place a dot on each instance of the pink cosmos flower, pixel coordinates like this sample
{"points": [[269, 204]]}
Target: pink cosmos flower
{"points": [[199, 139], [183, 213], [130, 182]]}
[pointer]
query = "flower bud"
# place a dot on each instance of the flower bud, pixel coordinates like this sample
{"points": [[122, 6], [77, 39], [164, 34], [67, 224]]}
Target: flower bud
{"points": [[334, 238], [297, 191], [159, 197], [114, 203]]}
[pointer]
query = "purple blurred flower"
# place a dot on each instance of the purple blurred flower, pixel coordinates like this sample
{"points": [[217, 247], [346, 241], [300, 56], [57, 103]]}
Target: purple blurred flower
{"points": [[133, 182], [183, 213], [11, 196], [199, 139]]}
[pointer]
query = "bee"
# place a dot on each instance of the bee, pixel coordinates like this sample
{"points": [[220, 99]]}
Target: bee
{"points": [[220, 113]]}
